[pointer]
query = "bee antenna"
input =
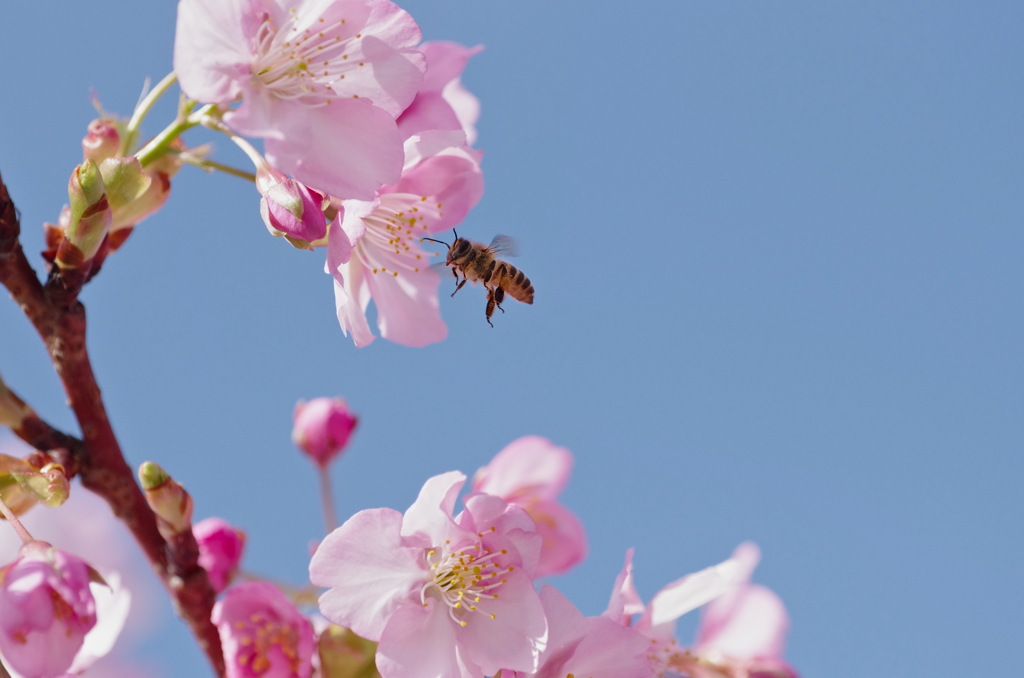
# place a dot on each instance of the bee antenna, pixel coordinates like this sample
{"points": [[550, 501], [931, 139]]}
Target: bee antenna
{"points": [[440, 242]]}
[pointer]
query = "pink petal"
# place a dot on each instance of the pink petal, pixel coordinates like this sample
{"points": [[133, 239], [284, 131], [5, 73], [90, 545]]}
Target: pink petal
{"points": [[515, 637], [625, 601], [429, 519], [442, 102], [419, 642], [396, 68], [687, 594], [448, 173], [211, 48], [347, 148], [531, 465], [351, 310], [752, 624], [369, 572], [408, 311], [564, 540]]}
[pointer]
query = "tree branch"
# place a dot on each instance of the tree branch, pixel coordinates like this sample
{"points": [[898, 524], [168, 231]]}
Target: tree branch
{"points": [[61, 324]]}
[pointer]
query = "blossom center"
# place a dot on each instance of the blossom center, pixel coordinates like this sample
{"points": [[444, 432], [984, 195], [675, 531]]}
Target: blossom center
{"points": [[466, 579], [263, 642], [305, 59], [390, 245]]}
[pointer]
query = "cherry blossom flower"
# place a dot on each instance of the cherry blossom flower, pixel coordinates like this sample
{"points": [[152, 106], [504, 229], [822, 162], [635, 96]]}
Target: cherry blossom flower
{"points": [[263, 633], [321, 81], [220, 550], [46, 609], [322, 427], [443, 595], [375, 252], [531, 472], [595, 647]]}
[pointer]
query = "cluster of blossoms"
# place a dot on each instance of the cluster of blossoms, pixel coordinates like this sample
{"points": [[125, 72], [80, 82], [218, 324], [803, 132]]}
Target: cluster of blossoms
{"points": [[438, 593], [367, 136], [367, 141], [429, 593]]}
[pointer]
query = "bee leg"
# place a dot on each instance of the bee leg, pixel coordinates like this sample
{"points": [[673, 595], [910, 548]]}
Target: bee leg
{"points": [[499, 296], [459, 284], [490, 305]]}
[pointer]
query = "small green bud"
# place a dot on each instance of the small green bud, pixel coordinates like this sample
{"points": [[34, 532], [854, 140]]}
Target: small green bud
{"points": [[88, 219], [49, 485], [168, 499]]}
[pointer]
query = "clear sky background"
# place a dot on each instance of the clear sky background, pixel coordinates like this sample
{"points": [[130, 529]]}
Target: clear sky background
{"points": [[777, 248]]}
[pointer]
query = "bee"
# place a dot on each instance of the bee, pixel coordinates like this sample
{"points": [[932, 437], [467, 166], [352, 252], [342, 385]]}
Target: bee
{"points": [[479, 263]]}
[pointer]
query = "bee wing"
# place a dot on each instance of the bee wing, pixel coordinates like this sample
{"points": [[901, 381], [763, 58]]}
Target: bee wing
{"points": [[505, 245]]}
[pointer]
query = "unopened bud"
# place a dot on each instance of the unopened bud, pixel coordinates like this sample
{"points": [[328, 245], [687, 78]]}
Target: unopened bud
{"points": [[220, 550], [147, 202], [48, 485], [322, 428], [102, 141], [290, 208], [12, 493], [89, 218], [48, 608], [168, 499]]}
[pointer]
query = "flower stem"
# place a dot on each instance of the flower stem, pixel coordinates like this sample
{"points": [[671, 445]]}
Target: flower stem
{"points": [[160, 144], [142, 110], [220, 167], [327, 498], [15, 523]]}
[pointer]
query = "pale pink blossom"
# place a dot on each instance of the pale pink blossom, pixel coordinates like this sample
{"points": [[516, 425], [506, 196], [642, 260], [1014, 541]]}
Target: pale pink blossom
{"points": [[262, 633], [442, 103], [531, 472], [322, 427], [220, 550], [444, 595], [321, 81], [375, 251], [595, 647], [46, 609]]}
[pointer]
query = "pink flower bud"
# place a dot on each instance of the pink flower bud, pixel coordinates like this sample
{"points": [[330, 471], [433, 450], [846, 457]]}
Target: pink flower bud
{"points": [[102, 141], [46, 608], [322, 428], [262, 633], [290, 208], [220, 550]]}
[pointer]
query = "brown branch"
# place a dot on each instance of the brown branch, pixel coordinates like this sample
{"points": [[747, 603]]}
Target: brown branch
{"points": [[60, 321]]}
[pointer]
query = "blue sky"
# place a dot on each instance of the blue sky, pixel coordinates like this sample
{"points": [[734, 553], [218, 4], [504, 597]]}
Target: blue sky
{"points": [[777, 251]]}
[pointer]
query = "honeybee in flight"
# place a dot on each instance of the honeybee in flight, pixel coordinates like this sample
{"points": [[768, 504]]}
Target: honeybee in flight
{"points": [[479, 263]]}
